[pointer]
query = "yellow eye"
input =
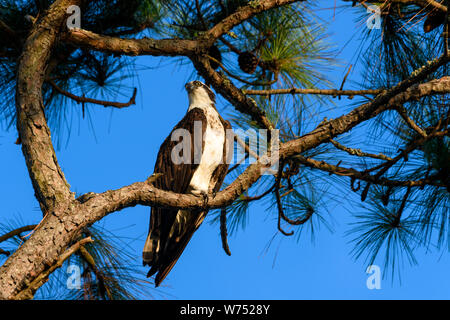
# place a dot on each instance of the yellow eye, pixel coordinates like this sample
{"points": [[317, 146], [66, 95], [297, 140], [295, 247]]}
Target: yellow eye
{"points": [[197, 83]]}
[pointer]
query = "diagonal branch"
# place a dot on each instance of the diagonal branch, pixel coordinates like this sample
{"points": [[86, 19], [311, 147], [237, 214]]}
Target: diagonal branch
{"points": [[11, 33], [28, 293], [143, 193], [66, 217], [404, 114], [229, 91]]}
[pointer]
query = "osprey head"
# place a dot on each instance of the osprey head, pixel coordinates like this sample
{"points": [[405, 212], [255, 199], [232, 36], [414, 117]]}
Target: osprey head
{"points": [[199, 93]]}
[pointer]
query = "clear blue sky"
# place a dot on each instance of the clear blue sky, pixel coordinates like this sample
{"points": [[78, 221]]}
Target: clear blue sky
{"points": [[124, 151]]}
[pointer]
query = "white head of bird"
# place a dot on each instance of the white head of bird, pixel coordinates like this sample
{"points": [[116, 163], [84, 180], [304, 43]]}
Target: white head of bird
{"points": [[200, 95]]}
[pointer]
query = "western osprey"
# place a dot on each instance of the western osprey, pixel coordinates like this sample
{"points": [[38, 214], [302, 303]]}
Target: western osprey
{"points": [[202, 174]]}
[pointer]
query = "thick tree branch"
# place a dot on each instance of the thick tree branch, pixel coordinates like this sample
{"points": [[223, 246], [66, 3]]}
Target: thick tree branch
{"points": [[131, 47], [28, 293], [242, 14], [170, 47], [66, 217], [145, 194], [46, 175], [327, 92], [190, 48], [51, 189], [229, 91]]}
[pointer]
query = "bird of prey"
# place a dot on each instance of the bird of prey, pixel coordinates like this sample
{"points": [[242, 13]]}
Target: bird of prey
{"points": [[202, 174]]}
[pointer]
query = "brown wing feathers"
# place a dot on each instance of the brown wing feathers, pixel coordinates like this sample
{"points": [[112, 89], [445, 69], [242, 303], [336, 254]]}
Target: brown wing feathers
{"points": [[167, 237], [175, 178]]}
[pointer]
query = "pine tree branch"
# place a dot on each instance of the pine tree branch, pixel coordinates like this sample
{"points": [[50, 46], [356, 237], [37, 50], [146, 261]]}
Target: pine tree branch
{"points": [[87, 257], [420, 3], [10, 32], [223, 231], [16, 232], [328, 92], [66, 217], [130, 47], [170, 47], [229, 73], [358, 152], [404, 114], [79, 99], [258, 197], [363, 175], [189, 48], [28, 292], [229, 91], [281, 214]]}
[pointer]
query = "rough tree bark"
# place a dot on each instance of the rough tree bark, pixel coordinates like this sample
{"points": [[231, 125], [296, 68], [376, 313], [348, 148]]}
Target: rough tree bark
{"points": [[65, 216]]}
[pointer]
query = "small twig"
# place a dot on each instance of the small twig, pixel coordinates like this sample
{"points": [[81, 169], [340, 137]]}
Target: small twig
{"points": [[99, 275], [83, 99], [278, 199], [238, 163], [16, 232], [246, 147], [345, 78], [365, 192], [258, 197], [358, 152], [200, 15], [230, 45], [223, 231], [9, 31], [153, 177], [402, 205], [404, 114]]}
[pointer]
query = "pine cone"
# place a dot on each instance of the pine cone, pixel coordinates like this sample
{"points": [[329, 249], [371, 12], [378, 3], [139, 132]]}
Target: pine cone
{"points": [[215, 53], [247, 62], [434, 20]]}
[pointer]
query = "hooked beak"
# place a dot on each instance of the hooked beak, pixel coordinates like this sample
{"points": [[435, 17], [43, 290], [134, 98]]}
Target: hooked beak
{"points": [[189, 86]]}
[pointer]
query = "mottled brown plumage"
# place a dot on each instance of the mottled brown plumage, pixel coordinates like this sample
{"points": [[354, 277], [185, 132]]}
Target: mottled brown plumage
{"points": [[171, 229]]}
